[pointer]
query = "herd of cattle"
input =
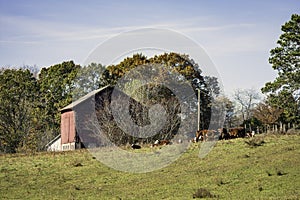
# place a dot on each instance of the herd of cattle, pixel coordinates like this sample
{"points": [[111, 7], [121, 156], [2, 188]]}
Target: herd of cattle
{"points": [[208, 135], [222, 134]]}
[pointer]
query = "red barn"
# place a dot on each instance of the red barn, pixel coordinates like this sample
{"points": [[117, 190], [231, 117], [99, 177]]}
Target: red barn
{"points": [[69, 138], [84, 122]]}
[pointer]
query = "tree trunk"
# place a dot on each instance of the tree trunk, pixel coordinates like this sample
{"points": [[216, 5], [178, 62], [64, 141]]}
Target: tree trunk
{"points": [[280, 127]]}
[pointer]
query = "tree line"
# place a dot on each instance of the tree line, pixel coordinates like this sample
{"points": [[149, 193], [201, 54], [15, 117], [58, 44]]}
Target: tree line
{"points": [[31, 99], [280, 109], [30, 102]]}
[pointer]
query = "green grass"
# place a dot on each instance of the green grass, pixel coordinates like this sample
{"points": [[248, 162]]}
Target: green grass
{"points": [[234, 169]]}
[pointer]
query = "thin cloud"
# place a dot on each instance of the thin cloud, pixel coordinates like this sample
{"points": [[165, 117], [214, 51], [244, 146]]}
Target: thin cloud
{"points": [[218, 28], [28, 30]]}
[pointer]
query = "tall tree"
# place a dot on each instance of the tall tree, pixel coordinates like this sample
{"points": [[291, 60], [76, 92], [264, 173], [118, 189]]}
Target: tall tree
{"points": [[246, 99], [18, 97], [285, 59], [56, 85], [179, 63], [267, 113], [228, 107], [88, 78], [213, 85]]}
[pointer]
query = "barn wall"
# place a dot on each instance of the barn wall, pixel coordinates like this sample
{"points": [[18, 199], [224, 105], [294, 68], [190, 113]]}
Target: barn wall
{"points": [[67, 127], [55, 146]]}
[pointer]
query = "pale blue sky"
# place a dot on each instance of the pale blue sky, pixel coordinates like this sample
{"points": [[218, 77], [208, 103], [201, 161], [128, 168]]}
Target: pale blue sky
{"points": [[236, 34]]}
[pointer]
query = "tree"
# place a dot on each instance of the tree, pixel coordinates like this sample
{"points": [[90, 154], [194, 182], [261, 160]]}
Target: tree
{"points": [[285, 59], [114, 72], [179, 63], [246, 99], [88, 79], [56, 85], [18, 114], [213, 85], [228, 108], [267, 113], [140, 114]]}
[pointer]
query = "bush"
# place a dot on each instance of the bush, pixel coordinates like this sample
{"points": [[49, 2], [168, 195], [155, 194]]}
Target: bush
{"points": [[255, 142], [203, 193]]}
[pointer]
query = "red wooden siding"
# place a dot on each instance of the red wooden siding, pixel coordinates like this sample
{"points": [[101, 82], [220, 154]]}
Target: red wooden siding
{"points": [[67, 127]]}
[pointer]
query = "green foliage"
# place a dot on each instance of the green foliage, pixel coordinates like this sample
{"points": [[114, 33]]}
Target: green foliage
{"points": [[29, 107], [114, 72], [285, 101], [285, 59], [253, 124], [224, 103], [213, 85], [179, 63], [182, 65], [56, 86], [88, 79], [18, 114]]}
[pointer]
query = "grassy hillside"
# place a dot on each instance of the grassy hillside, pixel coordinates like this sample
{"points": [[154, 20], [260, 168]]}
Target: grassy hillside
{"points": [[265, 168]]}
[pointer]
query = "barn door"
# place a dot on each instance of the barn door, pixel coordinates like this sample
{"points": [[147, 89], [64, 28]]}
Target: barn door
{"points": [[67, 127]]}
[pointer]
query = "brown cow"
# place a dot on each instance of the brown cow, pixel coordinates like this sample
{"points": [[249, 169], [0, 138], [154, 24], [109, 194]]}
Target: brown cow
{"points": [[198, 136], [204, 135], [209, 135], [160, 143], [223, 134], [164, 142], [237, 132]]}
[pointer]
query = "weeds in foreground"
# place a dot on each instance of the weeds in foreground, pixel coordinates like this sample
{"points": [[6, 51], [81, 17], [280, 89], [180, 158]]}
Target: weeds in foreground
{"points": [[255, 142], [203, 193]]}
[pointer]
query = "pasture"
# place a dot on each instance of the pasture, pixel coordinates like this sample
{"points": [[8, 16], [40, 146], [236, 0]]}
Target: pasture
{"points": [[263, 167]]}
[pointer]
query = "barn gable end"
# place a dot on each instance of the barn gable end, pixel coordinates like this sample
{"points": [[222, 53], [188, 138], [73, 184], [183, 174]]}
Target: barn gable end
{"points": [[68, 138], [77, 128]]}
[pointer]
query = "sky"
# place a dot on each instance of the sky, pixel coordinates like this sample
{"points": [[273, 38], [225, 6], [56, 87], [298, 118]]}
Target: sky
{"points": [[237, 35]]}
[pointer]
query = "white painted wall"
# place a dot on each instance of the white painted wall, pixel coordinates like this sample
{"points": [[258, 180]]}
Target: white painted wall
{"points": [[55, 146]]}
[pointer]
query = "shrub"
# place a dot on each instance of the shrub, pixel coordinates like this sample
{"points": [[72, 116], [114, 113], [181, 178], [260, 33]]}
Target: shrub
{"points": [[255, 142], [203, 193]]}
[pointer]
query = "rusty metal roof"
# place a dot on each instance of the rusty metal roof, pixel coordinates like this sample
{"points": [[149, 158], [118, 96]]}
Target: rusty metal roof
{"points": [[82, 99]]}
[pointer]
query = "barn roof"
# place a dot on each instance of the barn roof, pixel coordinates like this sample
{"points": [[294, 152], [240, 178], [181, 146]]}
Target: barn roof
{"points": [[82, 99]]}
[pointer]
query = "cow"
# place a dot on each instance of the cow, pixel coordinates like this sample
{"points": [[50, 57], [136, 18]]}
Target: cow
{"points": [[224, 135], [135, 146], [209, 135], [198, 137], [160, 143], [204, 135], [250, 134], [164, 142], [237, 132]]}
